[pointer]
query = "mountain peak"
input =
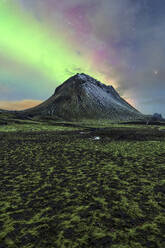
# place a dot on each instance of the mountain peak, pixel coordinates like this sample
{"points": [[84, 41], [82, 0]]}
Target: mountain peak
{"points": [[88, 79], [81, 78]]}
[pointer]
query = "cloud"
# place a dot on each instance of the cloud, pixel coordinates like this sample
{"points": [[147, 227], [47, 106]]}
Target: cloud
{"points": [[19, 105]]}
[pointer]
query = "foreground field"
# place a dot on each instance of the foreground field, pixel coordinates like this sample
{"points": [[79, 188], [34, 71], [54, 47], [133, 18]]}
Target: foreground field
{"points": [[83, 187]]}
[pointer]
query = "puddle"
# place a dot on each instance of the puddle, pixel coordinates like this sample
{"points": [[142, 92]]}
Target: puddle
{"points": [[97, 138], [84, 132]]}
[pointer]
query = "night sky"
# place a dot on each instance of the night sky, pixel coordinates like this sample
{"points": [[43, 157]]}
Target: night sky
{"points": [[119, 42]]}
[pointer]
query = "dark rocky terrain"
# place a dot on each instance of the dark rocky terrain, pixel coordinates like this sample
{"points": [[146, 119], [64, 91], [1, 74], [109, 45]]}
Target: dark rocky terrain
{"points": [[70, 189], [82, 97]]}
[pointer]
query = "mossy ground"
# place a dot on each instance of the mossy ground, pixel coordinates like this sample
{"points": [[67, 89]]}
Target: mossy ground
{"points": [[62, 188]]}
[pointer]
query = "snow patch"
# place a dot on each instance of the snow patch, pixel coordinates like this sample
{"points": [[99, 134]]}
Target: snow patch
{"points": [[82, 77]]}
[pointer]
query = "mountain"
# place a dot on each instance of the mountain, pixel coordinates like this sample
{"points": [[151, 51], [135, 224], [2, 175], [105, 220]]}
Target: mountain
{"points": [[157, 117], [83, 97]]}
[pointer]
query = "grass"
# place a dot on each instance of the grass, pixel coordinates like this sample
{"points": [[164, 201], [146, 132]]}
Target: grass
{"points": [[28, 127], [59, 187]]}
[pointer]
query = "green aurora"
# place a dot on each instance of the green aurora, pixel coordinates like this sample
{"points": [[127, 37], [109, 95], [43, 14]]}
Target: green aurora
{"points": [[23, 39]]}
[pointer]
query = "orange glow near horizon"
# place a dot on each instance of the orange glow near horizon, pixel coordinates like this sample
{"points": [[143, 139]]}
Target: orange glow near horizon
{"points": [[19, 105], [29, 103]]}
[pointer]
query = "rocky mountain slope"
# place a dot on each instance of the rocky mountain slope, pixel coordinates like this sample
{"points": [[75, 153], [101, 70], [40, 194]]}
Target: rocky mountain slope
{"points": [[83, 97]]}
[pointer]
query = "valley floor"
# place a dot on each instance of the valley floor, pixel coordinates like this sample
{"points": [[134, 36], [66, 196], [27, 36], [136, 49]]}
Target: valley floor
{"points": [[82, 187]]}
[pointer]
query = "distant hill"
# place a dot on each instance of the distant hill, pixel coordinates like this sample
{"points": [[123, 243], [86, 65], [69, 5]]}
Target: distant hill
{"points": [[83, 97], [157, 117]]}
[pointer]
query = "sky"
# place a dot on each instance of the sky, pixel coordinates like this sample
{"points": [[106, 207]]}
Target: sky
{"points": [[118, 42]]}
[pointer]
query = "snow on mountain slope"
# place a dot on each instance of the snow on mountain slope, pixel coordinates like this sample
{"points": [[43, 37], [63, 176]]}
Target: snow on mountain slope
{"points": [[83, 97]]}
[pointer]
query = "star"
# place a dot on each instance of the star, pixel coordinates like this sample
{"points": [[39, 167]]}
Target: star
{"points": [[156, 72]]}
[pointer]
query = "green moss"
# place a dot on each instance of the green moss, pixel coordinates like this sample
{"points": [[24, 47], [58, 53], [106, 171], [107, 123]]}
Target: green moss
{"points": [[65, 189]]}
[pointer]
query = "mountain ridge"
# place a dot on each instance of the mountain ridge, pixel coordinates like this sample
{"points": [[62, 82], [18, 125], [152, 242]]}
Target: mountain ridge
{"points": [[83, 97]]}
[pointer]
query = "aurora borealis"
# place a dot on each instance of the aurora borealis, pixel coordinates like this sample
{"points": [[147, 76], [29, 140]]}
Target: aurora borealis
{"points": [[43, 42]]}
